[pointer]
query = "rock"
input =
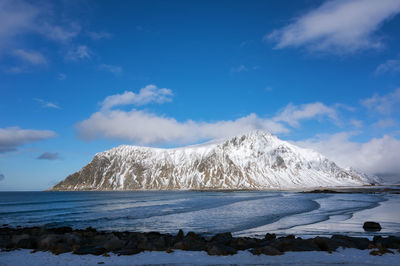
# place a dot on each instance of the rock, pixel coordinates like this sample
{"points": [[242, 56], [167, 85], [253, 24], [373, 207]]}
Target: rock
{"points": [[243, 243], [372, 226], [5, 242], [269, 237], [220, 249], [60, 248], [90, 229], [191, 235], [325, 191], [375, 253], [71, 239], [287, 237], [351, 242], [16, 238], [267, 250], [180, 235], [114, 243], [222, 238], [325, 244], [181, 245], [288, 244], [62, 230], [193, 245], [93, 250], [387, 242], [48, 241], [159, 243], [28, 243], [380, 252]]}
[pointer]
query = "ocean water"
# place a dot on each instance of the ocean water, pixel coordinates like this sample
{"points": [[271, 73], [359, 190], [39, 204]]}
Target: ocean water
{"points": [[242, 213]]}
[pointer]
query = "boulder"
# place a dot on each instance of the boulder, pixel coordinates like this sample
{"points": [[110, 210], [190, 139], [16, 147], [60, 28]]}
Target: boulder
{"points": [[243, 243], [269, 237], [351, 242], [114, 243], [372, 226], [266, 250], [222, 238]]}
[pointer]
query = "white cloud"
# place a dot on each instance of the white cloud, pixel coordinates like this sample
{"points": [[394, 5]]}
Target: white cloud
{"points": [[292, 114], [20, 17], [385, 123], [390, 66], [339, 26], [143, 127], [16, 17], [98, 35], [147, 128], [12, 137], [116, 70], [61, 76], [385, 104], [356, 123], [239, 69], [33, 57], [377, 156], [146, 95], [59, 33], [79, 53], [46, 104]]}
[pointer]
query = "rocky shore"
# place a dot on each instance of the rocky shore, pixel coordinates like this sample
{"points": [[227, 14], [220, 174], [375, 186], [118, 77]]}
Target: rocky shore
{"points": [[90, 241]]}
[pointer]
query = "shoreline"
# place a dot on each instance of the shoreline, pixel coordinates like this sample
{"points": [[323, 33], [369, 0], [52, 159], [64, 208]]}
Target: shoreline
{"points": [[346, 189], [92, 242]]}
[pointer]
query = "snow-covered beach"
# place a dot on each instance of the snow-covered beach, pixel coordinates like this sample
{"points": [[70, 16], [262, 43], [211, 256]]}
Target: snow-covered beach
{"points": [[342, 257]]}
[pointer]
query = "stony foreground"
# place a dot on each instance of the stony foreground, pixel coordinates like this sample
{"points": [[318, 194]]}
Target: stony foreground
{"points": [[90, 241]]}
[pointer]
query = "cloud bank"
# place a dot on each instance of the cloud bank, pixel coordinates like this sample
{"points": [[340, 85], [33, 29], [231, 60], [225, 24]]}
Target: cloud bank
{"points": [[147, 128], [339, 26], [144, 127], [13, 137], [377, 156]]}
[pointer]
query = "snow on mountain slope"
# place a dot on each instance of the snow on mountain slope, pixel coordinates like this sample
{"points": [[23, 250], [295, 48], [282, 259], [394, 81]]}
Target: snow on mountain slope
{"points": [[256, 160]]}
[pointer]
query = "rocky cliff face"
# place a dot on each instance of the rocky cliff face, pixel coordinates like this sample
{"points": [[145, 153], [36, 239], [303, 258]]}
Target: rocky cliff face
{"points": [[257, 160]]}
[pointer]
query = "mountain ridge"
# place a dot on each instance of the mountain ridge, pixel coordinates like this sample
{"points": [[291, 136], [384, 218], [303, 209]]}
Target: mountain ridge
{"points": [[256, 160]]}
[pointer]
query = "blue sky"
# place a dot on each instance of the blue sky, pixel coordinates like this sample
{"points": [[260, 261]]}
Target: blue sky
{"points": [[80, 77]]}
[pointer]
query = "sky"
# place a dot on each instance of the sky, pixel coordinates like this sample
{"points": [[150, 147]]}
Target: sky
{"points": [[81, 77]]}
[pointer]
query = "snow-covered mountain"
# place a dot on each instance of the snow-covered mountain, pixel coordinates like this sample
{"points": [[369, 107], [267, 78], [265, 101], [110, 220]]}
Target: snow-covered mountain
{"points": [[256, 160]]}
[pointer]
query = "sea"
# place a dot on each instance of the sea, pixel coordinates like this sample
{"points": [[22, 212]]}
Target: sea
{"points": [[243, 213]]}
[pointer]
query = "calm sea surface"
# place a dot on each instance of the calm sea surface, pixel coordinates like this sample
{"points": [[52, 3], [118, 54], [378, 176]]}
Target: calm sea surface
{"points": [[242, 213]]}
